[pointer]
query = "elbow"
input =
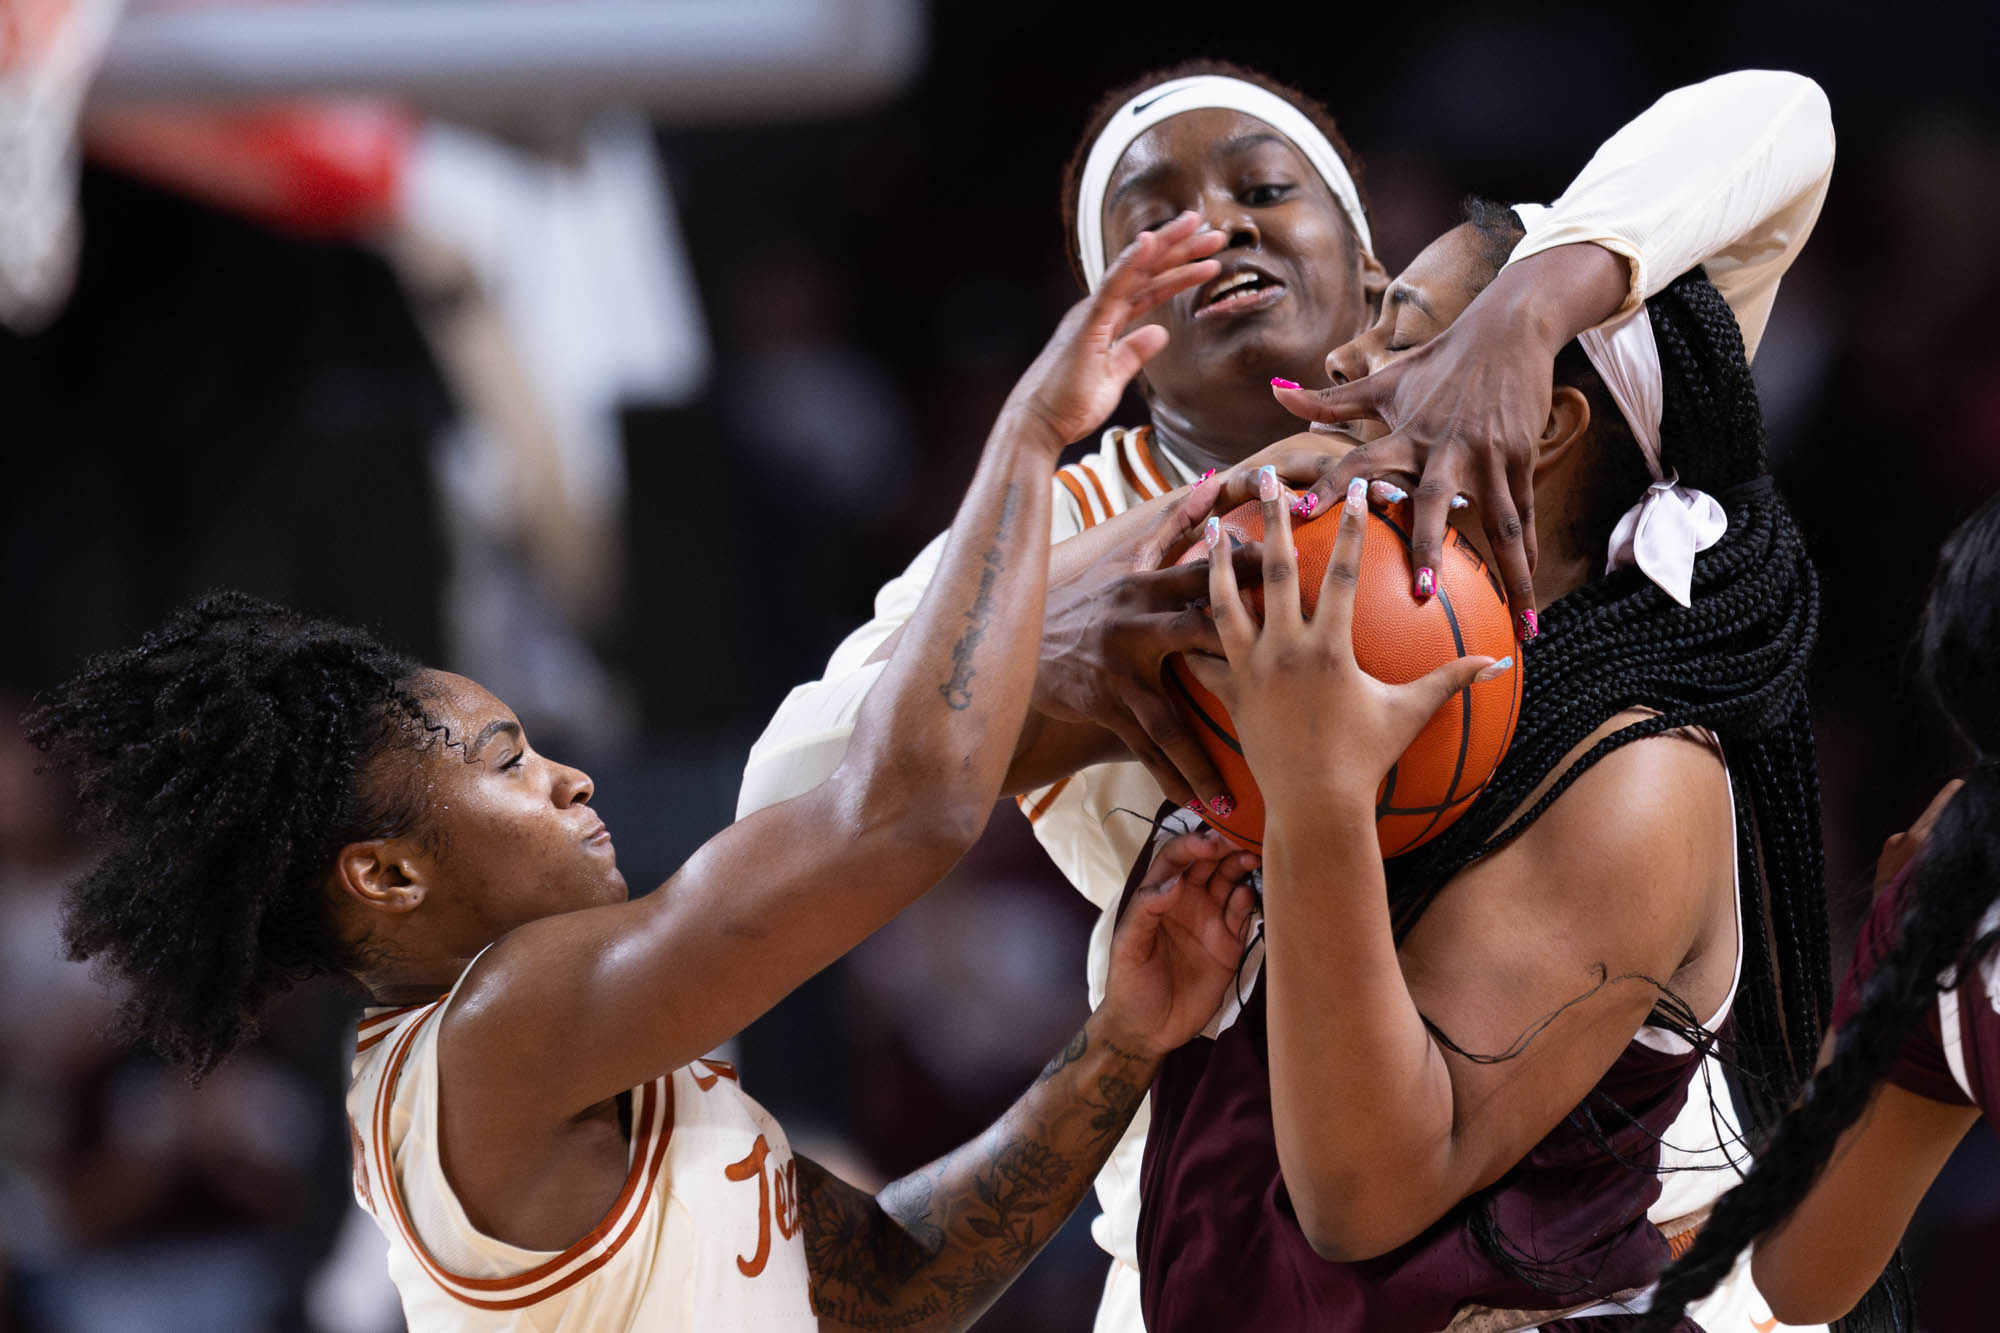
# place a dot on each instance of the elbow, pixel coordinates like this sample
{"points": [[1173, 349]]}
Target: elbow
{"points": [[1794, 1298], [1340, 1224], [928, 822]]}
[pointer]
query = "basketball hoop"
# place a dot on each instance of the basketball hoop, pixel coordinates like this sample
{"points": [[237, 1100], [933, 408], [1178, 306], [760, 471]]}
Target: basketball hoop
{"points": [[48, 51]]}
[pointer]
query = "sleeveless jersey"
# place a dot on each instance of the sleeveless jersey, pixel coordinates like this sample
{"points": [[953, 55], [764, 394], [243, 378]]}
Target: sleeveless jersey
{"points": [[1575, 1210], [1953, 1056], [703, 1238]]}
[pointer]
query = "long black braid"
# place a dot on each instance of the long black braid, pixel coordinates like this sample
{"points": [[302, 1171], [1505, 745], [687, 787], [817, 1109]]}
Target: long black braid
{"points": [[1936, 932], [220, 764], [1734, 662]]}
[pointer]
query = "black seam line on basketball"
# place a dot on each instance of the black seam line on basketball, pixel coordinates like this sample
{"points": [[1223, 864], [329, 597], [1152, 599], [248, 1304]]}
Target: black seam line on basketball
{"points": [[1201, 714], [1465, 720], [1464, 707]]}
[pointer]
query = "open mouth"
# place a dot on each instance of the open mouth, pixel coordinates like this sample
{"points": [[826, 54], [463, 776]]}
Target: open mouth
{"points": [[1238, 293]]}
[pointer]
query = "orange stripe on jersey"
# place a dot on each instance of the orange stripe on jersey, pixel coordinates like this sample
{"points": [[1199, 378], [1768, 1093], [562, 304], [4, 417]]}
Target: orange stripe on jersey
{"points": [[1076, 489], [1131, 474], [1041, 807], [1142, 445], [371, 1030], [1097, 486], [653, 1118]]}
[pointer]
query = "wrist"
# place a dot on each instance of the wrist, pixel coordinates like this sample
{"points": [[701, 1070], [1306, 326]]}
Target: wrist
{"points": [[1025, 423], [1553, 296], [1122, 1042]]}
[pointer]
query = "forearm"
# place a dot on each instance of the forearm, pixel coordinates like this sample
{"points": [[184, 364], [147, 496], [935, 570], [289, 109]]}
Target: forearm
{"points": [[933, 1250], [927, 746], [1552, 297], [1729, 173], [1361, 1099]]}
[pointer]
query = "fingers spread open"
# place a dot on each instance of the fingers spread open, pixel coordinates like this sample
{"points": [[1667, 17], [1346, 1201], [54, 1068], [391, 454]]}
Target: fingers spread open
{"points": [[1281, 565], [1169, 733], [1231, 619], [1434, 688], [1504, 530], [1428, 514], [1342, 402], [1334, 616]]}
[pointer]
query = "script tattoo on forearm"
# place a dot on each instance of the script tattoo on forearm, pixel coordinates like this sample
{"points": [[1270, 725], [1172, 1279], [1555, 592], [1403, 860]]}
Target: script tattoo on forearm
{"points": [[957, 691], [936, 1248]]}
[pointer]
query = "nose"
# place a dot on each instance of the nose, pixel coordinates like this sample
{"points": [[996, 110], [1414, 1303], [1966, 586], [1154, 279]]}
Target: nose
{"points": [[573, 786], [1349, 361], [1222, 211]]}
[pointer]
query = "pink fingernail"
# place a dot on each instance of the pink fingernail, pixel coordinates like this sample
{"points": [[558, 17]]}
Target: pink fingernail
{"points": [[1205, 476], [1426, 582], [1305, 505], [1196, 806], [1280, 382], [1223, 806], [1530, 626]]}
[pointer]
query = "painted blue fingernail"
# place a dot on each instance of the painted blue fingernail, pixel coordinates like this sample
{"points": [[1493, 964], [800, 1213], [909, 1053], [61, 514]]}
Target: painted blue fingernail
{"points": [[1357, 494], [1211, 532], [1459, 502], [1499, 668], [1267, 483], [1389, 493]]}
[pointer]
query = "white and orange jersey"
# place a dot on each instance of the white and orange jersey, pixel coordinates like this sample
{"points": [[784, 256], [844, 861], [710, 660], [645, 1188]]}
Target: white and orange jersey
{"points": [[703, 1238]]}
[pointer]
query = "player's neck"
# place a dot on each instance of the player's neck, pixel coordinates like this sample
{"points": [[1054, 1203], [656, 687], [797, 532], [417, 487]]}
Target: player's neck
{"points": [[1218, 441]]}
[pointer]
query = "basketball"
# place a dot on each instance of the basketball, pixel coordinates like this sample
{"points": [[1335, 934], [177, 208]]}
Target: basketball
{"points": [[1397, 638]]}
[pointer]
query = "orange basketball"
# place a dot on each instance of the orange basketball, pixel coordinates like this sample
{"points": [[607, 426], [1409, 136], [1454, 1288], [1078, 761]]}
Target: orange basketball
{"points": [[1397, 638]]}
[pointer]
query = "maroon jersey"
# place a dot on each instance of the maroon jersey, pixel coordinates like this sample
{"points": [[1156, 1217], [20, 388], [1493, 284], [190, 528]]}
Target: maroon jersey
{"points": [[1220, 1246], [1953, 1056]]}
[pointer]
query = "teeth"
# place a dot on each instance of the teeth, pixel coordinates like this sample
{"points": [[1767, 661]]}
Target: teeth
{"points": [[1231, 285]]}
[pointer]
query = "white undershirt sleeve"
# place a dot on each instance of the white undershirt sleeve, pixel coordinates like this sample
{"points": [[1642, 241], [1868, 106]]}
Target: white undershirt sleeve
{"points": [[1729, 173]]}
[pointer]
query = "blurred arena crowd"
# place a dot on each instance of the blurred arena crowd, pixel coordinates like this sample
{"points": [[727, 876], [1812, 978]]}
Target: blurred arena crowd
{"points": [[228, 402]]}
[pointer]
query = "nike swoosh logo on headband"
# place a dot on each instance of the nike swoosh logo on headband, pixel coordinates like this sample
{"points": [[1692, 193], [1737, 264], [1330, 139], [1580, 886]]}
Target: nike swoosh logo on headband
{"points": [[1149, 101]]}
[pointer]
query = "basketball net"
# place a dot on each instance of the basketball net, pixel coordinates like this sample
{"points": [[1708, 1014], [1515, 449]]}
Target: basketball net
{"points": [[48, 51]]}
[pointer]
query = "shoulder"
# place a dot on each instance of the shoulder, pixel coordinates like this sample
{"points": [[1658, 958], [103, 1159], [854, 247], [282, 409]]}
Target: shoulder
{"points": [[1636, 855]]}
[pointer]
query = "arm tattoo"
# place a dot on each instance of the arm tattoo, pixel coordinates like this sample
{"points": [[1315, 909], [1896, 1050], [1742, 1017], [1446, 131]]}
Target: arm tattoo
{"points": [[936, 1248], [957, 691]]}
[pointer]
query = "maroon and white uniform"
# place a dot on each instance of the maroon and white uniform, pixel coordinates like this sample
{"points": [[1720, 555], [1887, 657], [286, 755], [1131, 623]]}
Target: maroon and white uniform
{"points": [[1953, 1056]]}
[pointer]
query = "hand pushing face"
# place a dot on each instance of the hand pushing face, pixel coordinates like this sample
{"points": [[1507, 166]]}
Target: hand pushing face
{"points": [[1291, 282]]}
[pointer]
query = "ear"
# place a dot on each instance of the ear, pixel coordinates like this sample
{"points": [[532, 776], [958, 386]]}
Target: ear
{"points": [[1374, 282], [1568, 423], [380, 875]]}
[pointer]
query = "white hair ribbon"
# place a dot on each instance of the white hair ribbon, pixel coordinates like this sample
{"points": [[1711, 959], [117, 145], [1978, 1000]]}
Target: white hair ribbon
{"points": [[1671, 522], [1200, 92]]}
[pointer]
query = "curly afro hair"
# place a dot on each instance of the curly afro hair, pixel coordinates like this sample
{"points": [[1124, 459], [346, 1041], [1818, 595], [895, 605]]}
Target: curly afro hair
{"points": [[220, 764]]}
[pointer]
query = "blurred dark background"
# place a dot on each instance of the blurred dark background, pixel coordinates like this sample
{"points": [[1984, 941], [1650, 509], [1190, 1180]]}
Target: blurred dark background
{"points": [[225, 402]]}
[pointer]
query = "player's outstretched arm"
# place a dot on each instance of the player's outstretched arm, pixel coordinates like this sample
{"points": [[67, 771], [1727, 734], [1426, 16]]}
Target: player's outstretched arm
{"points": [[933, 1250], [588, 1004]]}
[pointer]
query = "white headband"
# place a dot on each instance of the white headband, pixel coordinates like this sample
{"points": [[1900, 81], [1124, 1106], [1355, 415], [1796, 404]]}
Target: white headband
{"points": [[1201, 92], [1671, 522]]}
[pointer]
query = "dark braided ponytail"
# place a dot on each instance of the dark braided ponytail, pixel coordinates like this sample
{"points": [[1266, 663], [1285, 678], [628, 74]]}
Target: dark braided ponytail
{"points": [[221, 763], [1734, 662], [1936, 934]]}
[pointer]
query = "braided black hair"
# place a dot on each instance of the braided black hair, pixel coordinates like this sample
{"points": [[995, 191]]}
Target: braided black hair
{"points": [[1937, 930], [1734, 662], [221, 763]]}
